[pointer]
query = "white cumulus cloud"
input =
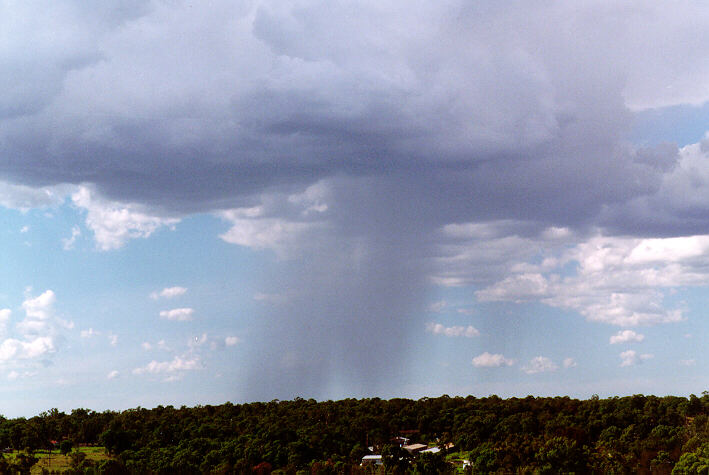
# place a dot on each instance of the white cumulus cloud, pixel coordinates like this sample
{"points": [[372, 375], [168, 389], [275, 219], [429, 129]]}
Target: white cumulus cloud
{"points": [[11, 348], [488, 360], [539, 364], [175, 365], [631, 358], [114, 223], [168, 293], [626, 336], [177, 314]]}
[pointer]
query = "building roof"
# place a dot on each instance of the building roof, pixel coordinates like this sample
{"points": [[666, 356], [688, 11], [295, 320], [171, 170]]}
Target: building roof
{"points": [[414, 447]]}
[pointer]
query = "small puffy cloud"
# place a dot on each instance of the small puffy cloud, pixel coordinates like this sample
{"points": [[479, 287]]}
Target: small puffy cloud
{"points": [[690, 362], [146, 346], [488, 360], [13, 375], [68, 243], [231, 340], [569, 363], [168, 293], [12, 348], [38, 312], [114, 223], [177, 314], [177, 364], [439, 329], [539, 364], [113, 374], [631, 358], [24, 229], [39, 307], [626, 336], [112, 339]]}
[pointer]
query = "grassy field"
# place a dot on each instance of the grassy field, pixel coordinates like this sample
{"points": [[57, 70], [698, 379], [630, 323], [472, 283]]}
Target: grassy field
{"points": [[58, 462]]}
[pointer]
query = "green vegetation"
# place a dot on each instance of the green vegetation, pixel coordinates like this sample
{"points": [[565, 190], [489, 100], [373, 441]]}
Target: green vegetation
{"points": [[635, 434]]}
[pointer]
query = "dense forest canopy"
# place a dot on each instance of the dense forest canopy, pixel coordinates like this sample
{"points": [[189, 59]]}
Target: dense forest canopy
{"points": [[534, 434]]}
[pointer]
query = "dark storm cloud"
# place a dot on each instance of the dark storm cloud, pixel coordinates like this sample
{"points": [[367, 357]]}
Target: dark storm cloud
{"points": [[192, 109]]}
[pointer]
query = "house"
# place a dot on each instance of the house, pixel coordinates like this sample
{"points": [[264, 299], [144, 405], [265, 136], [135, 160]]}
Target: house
{"points": [[400, 441], [371, 460], [415, 448]]}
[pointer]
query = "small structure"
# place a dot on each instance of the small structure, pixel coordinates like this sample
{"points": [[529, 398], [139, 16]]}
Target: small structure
{"points": [[371, 460], [415, 448], [400, 441]]}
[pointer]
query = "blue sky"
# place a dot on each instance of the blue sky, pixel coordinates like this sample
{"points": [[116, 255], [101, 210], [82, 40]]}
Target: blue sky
{"points": [[258, 200]]}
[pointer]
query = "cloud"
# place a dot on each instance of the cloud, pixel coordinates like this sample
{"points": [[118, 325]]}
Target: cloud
{"points": [[690, 362], [539, 364], [40, 307], [168, 293], [114, 223], [487, 360], [177, 314], [438, 307], [112, 339], [342, 138], [177, 364], [24, 198], [615, 280], [113, 374], [39, 312], [231, 340], [282, 222], [68, 243], [569, 363], [12, 349], [626, 336], [631, 358], [454, 331]]}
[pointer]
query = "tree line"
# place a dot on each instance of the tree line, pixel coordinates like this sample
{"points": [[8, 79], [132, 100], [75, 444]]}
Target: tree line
{"points": [[634, 434]]}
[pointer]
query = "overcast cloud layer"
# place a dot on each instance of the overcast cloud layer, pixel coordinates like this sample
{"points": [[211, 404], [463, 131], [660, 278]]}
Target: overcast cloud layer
{"points": [[379, 150]]}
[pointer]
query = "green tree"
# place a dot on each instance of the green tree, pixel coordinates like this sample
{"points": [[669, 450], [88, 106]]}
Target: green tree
{"points": [[65, 446], [693, 462]]}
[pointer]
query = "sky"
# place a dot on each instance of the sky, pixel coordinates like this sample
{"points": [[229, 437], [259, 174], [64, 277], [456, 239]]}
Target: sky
{"points": [[256, 200]]}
